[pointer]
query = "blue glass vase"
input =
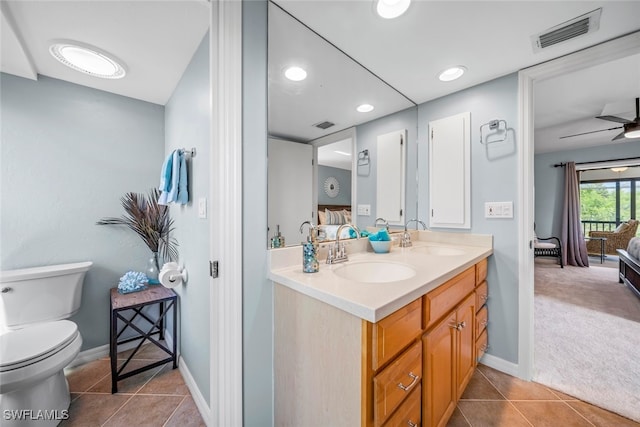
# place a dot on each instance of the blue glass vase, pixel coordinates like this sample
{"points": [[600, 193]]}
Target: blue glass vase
{"points": [[153, 269]]}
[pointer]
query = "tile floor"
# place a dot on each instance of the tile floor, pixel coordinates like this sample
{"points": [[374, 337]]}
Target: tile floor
{"points": [[154, 398], [499, 400], [159, 398]]}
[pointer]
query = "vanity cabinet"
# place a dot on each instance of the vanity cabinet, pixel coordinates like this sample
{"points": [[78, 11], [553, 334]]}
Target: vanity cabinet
{"points": [[450, 345], [410, 368]]}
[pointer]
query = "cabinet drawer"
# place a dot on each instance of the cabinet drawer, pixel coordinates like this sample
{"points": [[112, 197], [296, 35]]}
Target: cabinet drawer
{"points": [[481, 345], [395, 332], [481, 320], [441, 300], [395, 382], [482, 294], [481, 271], [408, 414]]}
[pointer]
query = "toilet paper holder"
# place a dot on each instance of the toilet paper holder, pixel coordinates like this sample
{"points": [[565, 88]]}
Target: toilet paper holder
{"points": [[172, 275]]}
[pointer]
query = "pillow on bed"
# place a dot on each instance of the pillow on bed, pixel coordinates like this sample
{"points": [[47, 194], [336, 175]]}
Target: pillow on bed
{"points": [[335, 217], [321, 218]]}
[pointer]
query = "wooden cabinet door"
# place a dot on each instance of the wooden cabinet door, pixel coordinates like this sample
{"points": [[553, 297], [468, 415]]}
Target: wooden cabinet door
{"points": [[465, 340], [439, 386]]}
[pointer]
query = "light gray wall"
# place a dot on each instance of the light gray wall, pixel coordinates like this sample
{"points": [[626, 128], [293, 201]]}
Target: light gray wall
{"points": [[367, 139], [493, 178], [344, 179], [549, 181], [257, 313], [68, 154], [187, 125]]}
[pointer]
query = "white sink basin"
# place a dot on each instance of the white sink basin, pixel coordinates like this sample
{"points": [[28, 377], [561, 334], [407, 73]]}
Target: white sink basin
{"points": [[439, 250], [375, 272]]}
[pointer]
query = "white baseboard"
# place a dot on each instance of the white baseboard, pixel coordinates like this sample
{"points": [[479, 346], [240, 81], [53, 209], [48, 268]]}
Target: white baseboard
{"points": [[199, 400], [501, 365]]}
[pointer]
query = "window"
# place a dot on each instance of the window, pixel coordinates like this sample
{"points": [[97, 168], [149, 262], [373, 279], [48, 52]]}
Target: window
{"points": [[608, 199]]}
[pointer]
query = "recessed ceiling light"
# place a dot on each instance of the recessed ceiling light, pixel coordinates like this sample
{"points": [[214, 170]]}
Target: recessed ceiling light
{"points": [[87, 59], [342, 152], [389, 9], [365, 108], [295, 74], [452, 73]]}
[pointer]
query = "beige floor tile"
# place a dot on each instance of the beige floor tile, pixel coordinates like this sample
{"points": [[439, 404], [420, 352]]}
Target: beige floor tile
{"points": [[458, 420], [551, 414], [492, 413], [128, 385], [601, 418], [480, 388], [562, 396], [82, 378], [516, 389], [93, 409], [145, 411], [166, 381], [148, 351], [187, 415]]}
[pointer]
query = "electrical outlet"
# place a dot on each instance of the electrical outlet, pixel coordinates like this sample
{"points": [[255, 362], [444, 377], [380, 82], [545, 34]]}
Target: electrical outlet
{"points": [[498, 210], [364, 210]]}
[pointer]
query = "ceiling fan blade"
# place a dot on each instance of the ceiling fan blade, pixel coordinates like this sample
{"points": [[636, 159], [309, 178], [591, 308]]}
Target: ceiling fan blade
{"points": [[615, 119], [619, 136], [587, 133]]}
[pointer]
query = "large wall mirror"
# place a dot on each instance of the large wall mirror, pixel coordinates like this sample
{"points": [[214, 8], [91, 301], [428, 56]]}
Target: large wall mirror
{"points": [[322, 151]]}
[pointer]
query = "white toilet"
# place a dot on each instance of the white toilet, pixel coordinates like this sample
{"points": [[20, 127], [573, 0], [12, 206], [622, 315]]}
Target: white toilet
{"points": [[36, 343]]}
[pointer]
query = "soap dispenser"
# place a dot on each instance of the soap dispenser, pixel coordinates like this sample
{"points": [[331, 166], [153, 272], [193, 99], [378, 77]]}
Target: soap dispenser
{"points": [[310, 262], [277, 241]]}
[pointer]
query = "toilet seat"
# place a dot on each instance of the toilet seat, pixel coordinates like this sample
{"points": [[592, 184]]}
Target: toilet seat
{"points": [[24, 347]]}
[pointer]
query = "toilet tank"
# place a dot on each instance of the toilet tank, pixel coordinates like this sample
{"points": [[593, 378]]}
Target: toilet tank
{"points": [[40, 294]]}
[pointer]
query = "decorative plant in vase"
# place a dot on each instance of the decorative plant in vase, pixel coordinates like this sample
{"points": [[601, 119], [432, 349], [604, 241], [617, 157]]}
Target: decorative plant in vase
{"points": [[152, 223]]}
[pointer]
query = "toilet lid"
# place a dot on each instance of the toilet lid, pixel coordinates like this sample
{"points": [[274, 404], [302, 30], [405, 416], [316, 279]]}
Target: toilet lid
{"points": [[20, 346]]}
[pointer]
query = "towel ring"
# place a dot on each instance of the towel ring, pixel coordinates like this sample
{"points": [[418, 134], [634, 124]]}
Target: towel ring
{"points": [[494, 125]]}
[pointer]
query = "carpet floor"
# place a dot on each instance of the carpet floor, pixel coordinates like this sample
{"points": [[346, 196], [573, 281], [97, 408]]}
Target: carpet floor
{"points": [[587, 336]]}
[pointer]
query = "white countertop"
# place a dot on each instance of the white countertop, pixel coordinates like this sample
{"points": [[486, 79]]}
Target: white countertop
{"points": [[374, 301]]}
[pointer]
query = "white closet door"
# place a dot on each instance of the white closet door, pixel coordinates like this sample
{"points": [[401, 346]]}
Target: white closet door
{"points": [[290, 194], [390, 174], [450, 172]]}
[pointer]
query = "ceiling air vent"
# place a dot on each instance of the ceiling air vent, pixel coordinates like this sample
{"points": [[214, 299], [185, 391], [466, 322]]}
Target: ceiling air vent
{"points": [[571, 29], [324, 125]]}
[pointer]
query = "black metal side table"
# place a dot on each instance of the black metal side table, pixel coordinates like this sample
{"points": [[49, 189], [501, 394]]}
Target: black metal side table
{"points": [[134, 302]]}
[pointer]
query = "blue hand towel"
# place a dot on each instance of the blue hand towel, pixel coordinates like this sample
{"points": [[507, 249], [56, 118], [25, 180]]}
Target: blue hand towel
{"points": [[171, 195], [183, 195], [166, 175]]}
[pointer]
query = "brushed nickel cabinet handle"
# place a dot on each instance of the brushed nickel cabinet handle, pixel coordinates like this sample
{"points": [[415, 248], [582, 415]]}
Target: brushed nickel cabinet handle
{"points": [[411, 424], [407, 387], [6, 290]]}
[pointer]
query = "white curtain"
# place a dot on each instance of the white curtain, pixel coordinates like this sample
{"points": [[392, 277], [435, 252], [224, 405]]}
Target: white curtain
{"points": [[575, 247]]}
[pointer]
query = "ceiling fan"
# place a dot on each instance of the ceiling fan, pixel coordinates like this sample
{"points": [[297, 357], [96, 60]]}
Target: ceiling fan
{"points": [[631, 128]]}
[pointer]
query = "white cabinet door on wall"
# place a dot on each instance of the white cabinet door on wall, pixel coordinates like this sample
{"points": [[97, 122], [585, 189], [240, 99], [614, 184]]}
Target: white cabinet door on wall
{"points": [[290, 188], [450, 172], [391, 177]]}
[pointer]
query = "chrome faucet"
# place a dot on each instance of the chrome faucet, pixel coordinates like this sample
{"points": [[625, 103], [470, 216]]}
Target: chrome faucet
{"points": [[384, 223], [405, 242], [337, 252]]}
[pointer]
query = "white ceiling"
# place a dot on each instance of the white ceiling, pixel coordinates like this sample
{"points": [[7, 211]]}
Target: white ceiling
{"points": [[334, 154], [157, 38]]}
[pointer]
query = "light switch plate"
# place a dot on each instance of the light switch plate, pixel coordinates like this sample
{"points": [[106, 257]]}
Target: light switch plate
{"points": [[498, 210], [364, 210], [202, 207]]}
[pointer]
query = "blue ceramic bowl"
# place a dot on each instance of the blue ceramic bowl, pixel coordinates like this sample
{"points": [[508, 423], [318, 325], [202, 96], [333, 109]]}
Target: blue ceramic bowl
{"points": [[380, 246]]}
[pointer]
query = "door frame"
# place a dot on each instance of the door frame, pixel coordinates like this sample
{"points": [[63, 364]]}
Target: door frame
{"points": [[595, 55], [225, 224]]}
